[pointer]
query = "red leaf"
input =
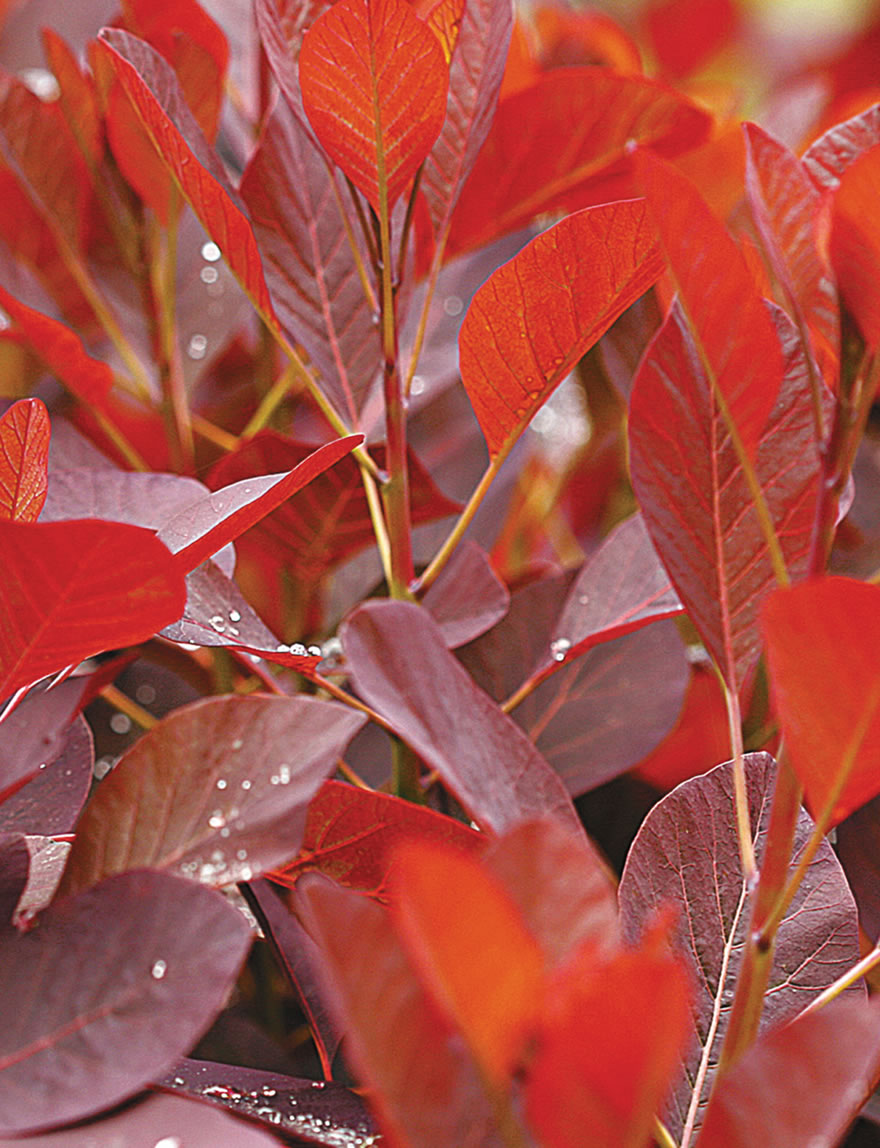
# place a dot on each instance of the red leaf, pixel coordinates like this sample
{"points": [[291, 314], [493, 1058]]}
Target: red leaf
{"points": [[554, 144], [77, 95], [119, 981], [400, 665], [686, 34], [829, 156], [728, 320], [351, 835], [206, 527], [71, 589], [155, 93], [855, 242], [821, 639], [695, 500], [610, 1036], [89, 380], [687, 854], [374, 84], [785, 206], [226, 814], [775, 1095], [538, 314], [309, 267], [472, 950], [24, 455]]}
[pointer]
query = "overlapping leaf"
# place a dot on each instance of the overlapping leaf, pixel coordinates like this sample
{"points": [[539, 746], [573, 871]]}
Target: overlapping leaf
{"points": [[400, 665], [537, 315], [310, 270], [562, 141], [729, 322], [832, 153], [687, 854], [695, 499], [72, 589], [785, 206], [113, 995], [24, 454], [468, 598], [855, 242], [50, 802], [821, 644], [236, 808], [374, 85]]}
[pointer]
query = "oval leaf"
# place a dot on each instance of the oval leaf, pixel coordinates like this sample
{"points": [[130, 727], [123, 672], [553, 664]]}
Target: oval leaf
{"points": [[24, 456], [374, 83]]}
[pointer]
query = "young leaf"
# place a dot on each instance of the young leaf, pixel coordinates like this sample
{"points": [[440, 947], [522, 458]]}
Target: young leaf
{"points": [[236, 808], [561, 143], [206, 527], [24, 455], [472, 949], [425, 1087], [400, 665], [832, 153], [785, 206], [374, 84], [687, 854], [729, 323], [351, 835], [71, 589], [293, 201], [118, 983], [695, 499], [821, 641], [855, 242], [772, 1095], [538, 314], [610, 1036]]}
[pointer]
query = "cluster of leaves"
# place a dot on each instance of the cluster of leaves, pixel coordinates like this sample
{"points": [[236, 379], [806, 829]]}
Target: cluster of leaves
{"points": [[521, 385]]}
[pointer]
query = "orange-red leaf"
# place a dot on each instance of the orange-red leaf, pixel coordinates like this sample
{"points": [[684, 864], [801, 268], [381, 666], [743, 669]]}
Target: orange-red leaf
{"points": [[855, 242], [729, 320], [24, 453], [611, 1035], [472, 948], [536, 316], [822, 639], [351, 835], [374, 82]]}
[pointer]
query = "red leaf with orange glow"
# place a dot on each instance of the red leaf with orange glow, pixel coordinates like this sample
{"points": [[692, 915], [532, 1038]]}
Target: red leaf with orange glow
{"points": [[24, 453]]}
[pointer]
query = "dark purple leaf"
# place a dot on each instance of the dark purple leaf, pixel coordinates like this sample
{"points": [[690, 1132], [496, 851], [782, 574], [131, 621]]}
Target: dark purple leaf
{"points": [[156, 1122], [312, 1111], [218, 614], [294, 201], [801, 1084], [225, 813], [468, 598], [687, 854], [400, 665], [15, 862], [34, 733], [50, 803], [111, 988], [602, 713], [204, 528], [858, 847]]}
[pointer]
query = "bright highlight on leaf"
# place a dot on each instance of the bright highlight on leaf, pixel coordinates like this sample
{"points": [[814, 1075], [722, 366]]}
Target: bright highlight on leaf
{"points": [[855, 242], [374, 82], [822, 639], [24, 453], [538, 314]]}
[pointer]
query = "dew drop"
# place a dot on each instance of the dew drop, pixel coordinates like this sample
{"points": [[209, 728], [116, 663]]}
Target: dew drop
{"points": [[315, 651], [209, 274], [234, 616], [221, 782], [559, 647], [241, 855], [179, 1081], [210, 252], [453, 305], [246, 873], [298, 650], [168, 1141], [282, 649], [218, 623], [267, 1091], [246, 784], [120, 723], [238, 743], [145, 694], [224, 832], [584, 599], [217, 820], [197, 347], [418, 385], [159, 969]]}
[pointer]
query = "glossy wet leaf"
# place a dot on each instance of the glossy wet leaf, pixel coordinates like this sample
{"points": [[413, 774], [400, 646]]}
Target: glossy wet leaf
{"points": [[72, 589], [400, 666], [351, 835], [121, 980], [24, 455], [687, 854], [230, 812], [820, 640], [50, 802], [727, 319], [34, 733], [531, 322], [374, 84], [695, 499]]}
